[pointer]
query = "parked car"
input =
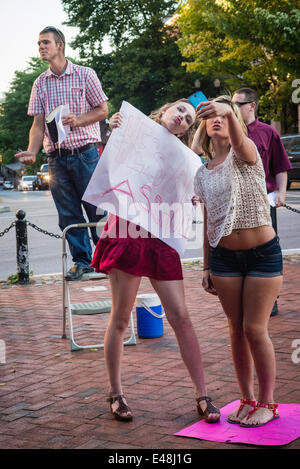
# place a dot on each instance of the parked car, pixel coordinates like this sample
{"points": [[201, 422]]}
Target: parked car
{"points": [[292, 146], [8, 185], [42, 178], [26, 183], [1, 180]]}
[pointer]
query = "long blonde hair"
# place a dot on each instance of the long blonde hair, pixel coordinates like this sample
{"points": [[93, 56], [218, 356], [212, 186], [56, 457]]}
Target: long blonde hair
{"points": [[204, 140], [187, 138]]}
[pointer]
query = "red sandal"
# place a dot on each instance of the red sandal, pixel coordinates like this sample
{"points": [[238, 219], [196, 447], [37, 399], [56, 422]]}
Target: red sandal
{"points": [[243, 402], [273, 407]]}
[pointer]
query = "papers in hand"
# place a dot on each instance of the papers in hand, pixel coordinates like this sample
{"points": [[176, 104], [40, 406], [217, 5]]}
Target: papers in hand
{"points": [[58, 132], [272, 198]]}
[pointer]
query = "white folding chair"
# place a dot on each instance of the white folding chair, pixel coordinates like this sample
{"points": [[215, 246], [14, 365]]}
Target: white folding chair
{"points": [[95, 307]]}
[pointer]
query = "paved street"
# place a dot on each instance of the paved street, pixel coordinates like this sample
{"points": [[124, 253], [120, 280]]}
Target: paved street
{"points": [[45, 251]]}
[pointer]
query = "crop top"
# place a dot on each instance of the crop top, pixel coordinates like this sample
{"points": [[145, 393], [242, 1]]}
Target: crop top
{"points": [[235, 196]]}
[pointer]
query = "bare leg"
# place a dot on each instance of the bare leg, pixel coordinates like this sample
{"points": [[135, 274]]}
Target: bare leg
{"points": [[172, 296], [124, 288], [230, 293], [259, 296]]}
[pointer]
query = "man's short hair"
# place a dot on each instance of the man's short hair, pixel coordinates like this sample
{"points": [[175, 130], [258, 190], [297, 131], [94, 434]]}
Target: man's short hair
{"points": [[58, 35], [250, 94]]}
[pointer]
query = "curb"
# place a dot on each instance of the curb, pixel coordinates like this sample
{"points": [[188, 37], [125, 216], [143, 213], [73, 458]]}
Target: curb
{"points": [[49, 279]]}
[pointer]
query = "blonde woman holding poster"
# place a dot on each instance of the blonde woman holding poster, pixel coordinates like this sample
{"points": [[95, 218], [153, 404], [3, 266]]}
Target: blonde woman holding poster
{"points": [[126, 260]]}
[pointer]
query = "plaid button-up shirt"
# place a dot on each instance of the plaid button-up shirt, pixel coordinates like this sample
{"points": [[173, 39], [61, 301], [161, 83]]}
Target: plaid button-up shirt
{"points": [[80, 88]]}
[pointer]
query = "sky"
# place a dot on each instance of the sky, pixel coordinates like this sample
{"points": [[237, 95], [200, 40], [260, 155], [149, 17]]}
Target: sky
{"points": [[20, 24]]}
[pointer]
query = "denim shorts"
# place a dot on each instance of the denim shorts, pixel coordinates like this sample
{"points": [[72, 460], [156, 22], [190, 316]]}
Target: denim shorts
{"points": [[262, 261]]}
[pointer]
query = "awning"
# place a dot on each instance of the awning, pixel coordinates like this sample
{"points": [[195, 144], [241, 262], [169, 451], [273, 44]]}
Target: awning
{"points": [[15, 166]]}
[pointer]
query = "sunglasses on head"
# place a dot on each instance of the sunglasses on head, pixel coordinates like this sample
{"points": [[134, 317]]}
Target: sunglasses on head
{"points": [[242, 104], [54, 30]]}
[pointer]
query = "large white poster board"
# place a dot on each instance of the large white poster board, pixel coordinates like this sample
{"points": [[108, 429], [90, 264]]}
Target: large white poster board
{"points": [[146, 175]]}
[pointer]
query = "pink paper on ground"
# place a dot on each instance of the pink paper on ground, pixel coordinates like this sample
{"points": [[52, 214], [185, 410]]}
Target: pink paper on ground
{"points": [[278, 432]]}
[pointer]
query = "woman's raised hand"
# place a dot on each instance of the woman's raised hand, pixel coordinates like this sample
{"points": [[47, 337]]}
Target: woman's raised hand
{"points": [[115, 121], [208, 109]]}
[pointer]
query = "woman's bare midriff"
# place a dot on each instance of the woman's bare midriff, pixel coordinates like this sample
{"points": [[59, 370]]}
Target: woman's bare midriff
{"points": [[247, 238]]}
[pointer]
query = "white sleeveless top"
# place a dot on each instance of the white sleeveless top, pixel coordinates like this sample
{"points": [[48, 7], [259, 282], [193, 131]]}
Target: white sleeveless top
{"points": [[235, 196]]}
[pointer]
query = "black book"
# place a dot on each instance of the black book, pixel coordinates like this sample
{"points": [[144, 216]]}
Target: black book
{"points": [[52, 124]]}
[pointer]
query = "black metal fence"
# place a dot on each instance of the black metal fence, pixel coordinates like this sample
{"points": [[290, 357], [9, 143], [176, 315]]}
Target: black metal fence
{"points": [[22, 242]]}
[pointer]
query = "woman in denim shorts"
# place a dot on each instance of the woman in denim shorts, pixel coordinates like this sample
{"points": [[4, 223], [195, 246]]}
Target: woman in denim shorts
{"points": [[242, 255]]}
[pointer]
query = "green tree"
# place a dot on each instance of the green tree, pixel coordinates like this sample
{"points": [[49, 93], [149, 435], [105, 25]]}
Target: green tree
{"points": [[14, 122], [121, 20], [247, 43], [147, 76], [145, 64]]}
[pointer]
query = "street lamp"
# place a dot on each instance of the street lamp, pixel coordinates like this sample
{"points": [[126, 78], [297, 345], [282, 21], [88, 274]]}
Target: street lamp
{"points": [[217, 85]]}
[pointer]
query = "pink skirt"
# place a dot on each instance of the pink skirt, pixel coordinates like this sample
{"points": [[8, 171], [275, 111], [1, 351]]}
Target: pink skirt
{"points": [[141, 256]]}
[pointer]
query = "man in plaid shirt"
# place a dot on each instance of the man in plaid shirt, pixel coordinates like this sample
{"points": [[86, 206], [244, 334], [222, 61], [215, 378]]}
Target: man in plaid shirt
{"points": [[71, 163]]}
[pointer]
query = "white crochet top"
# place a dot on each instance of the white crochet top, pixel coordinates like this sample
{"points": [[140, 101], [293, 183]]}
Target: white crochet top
{"points": [[235, 196]]}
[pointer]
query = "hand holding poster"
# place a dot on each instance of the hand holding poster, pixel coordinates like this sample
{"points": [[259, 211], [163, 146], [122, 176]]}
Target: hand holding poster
{"points": [[146, 175]]}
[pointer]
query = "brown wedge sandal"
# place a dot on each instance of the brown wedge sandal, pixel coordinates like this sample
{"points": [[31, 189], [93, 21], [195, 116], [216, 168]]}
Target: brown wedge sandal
{"points": [[122, 408], [210, 409]]}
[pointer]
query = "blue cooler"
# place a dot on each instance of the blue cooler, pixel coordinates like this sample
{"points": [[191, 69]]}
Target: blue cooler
{"points": [[149, 314]]}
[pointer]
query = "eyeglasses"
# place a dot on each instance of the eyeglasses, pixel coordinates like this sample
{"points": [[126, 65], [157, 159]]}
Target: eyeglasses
{"points": [[54, 30], [242, 104]]}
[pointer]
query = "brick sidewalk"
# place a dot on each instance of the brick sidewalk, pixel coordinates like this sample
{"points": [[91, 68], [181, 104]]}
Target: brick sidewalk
{"points": [[53, 398]]}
